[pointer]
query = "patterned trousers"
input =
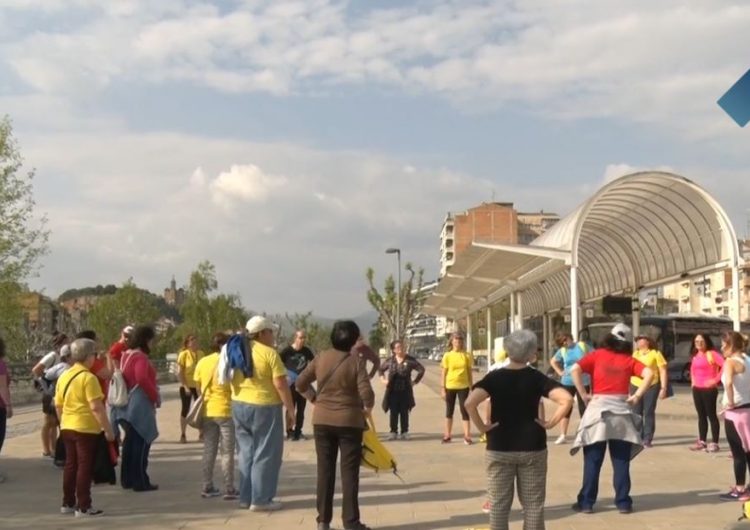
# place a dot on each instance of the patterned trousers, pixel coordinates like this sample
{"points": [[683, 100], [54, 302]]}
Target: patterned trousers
{"points": [[218, 432], [529, 471]]}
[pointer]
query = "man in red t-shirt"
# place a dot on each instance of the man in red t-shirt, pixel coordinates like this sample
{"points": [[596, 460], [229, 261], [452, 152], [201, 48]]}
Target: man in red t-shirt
{"points": [[121, 346]]}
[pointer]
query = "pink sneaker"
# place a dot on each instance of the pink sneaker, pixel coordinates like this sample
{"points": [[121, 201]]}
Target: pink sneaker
{"points": [[712, 448], [699, 445], [486, 507]]}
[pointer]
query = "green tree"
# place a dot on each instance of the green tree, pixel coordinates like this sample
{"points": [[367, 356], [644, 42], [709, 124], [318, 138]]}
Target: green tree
{"points": [[318, 334], [129, 305], [203, 314], [385, 301], [23, 238], [376, 338]]}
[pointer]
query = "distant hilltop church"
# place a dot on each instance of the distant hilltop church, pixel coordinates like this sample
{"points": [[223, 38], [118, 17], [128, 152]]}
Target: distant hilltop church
{"points": [[173, 296]]}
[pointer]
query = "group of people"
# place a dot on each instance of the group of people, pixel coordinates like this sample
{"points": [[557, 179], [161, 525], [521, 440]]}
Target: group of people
{"points": [[254, 396]]}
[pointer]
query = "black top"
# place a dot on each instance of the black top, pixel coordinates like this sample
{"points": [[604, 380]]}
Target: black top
{"points": [[515, 395], [399, 373], [296, 360]]}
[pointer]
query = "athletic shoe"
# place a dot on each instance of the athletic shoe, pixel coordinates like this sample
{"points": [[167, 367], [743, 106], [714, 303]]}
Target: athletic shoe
{"points": [[405, 436], [483, 439], [699, 445], [67, 510], [467, 441], [734, 494], [289, 435], [712, 448], [91, 512], [392, 436], [231, 495], [625, 510], [272, 506], [210, 492], [561, 439], [446, 440], [486, 507]]}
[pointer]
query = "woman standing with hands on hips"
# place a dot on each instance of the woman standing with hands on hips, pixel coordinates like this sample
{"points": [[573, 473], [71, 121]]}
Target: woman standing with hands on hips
{"points": [[705, 376], [516, 437], [395, 373]]}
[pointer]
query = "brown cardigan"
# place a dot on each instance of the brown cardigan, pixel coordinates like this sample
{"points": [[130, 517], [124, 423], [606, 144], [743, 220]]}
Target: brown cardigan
{"points": [[344, 396]]}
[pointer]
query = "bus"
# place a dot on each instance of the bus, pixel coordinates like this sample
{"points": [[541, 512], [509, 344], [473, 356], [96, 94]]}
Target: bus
{"points": [[673, 334]]}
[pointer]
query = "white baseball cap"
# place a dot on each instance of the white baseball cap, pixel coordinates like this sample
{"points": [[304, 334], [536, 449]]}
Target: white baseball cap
{"points": [[127, 330], [622, 332], [258, 323]]}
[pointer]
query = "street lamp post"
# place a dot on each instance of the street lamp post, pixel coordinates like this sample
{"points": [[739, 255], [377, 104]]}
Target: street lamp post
{"points": [[397, 251]]}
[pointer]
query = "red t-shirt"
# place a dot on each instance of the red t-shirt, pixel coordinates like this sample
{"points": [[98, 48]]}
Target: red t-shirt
{"points": [[610, 372], [100, 363], [117, 349]]}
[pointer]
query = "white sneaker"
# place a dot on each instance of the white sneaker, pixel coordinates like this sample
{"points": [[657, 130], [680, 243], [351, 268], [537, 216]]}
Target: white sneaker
{"points": [[272, 506], [66, 510], [91, 512], [392, 436], [405, 436], [561, 440]]}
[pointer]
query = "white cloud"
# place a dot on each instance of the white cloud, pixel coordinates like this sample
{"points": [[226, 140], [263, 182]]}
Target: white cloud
{"points": [[636, 60], [244, 183]]}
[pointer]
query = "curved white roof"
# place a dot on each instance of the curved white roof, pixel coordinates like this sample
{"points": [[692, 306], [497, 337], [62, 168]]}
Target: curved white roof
{"points": [[640, 230]]}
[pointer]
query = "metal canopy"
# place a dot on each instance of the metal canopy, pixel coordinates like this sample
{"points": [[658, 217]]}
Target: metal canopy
{"points": [[641, 230]]}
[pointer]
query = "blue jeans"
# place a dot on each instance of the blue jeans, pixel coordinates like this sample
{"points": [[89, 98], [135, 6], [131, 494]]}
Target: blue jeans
{"points": [[259, 430], [646, 407], [593, 458]]}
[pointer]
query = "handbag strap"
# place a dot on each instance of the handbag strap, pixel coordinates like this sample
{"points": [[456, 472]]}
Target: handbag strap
{"points": [[65, 391], [327, 378]]}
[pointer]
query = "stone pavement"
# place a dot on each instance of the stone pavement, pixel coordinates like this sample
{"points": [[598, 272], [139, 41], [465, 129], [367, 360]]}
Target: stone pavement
{"points": [[443, 485]]}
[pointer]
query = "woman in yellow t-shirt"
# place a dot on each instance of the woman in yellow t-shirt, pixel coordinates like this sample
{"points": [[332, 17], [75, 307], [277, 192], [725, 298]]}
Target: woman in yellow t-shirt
{"points": [[218, 427], [455, 382], [652, 358], [186, 362], [79, 402]]}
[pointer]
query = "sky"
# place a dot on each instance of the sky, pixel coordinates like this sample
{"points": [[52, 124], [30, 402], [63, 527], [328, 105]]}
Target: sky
{"points": [[291, 143]]}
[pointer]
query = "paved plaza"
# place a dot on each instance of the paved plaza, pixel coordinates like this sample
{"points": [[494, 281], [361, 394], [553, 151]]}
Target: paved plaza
{"points": [[443, 486]]}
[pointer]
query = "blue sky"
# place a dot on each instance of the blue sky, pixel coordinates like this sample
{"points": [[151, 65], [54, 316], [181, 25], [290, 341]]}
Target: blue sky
{"points": [[292, 142]]}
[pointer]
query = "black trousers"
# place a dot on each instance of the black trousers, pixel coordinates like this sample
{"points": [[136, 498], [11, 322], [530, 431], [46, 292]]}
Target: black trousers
{"points": [[135, 451], [398, 406], [328, 441], [581, 403], [3, 422], [299, 407], [704, 400], [186, 398], [740, 458]]}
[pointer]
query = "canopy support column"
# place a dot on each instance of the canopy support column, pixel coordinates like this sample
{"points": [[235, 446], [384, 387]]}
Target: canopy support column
{"points": [[512, 319], [635, 306], [545, 342], [469, 345], [488, 334], [574, 303], [519, 307], [735, 310]]}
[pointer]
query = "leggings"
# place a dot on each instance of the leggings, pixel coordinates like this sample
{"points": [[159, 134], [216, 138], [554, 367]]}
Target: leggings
{"points": [[740, 458], [187, 396], [450, 403], [581, 403], [705, 405]]}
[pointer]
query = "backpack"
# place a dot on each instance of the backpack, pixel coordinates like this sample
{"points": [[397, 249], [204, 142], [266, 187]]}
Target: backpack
{"points": [[118, 395], [375, 455]]}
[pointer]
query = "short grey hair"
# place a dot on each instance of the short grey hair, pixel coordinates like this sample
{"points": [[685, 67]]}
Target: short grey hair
{"points": [[520, 345], [82, 349]]}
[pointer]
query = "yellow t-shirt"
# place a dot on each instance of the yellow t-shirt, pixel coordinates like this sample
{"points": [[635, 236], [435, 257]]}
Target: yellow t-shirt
{"points": [[218, 398], [458, 365], [76, 407], [259, 389], [188, 359], [500, 355], [653, 359]]}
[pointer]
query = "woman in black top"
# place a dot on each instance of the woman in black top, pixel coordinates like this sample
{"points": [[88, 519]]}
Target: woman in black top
{"points": [[516, 438], [399, 394]]}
